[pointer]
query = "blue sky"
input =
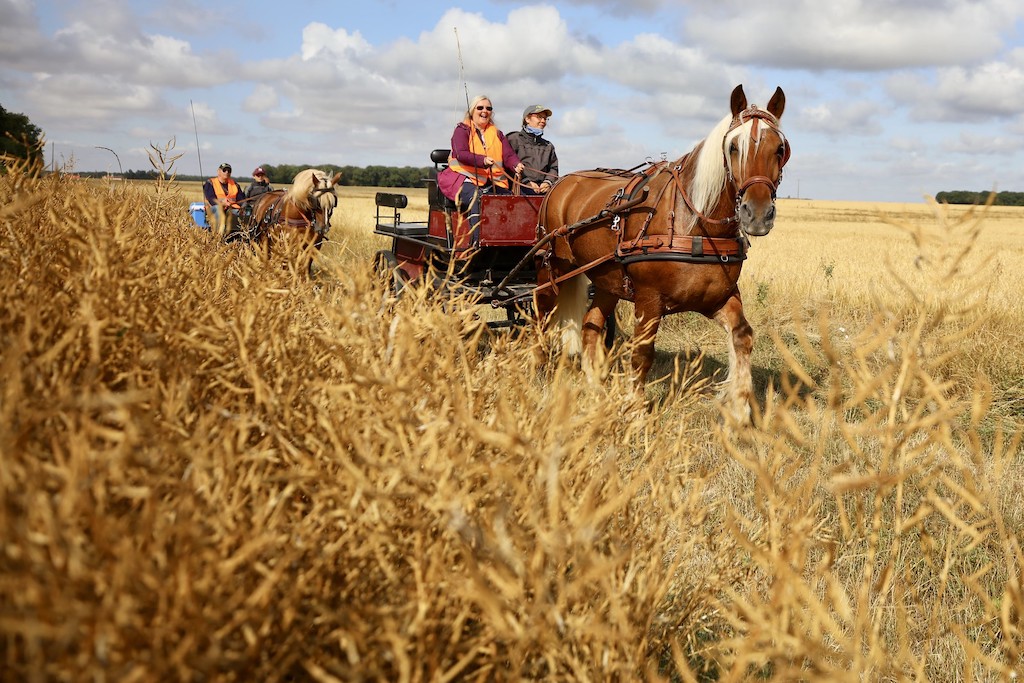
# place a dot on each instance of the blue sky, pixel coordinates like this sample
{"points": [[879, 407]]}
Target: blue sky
{"points": [[887, 100]]}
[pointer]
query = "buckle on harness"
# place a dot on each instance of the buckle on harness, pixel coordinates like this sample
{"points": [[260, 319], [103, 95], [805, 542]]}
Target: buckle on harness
{"points": [[697, 245]]}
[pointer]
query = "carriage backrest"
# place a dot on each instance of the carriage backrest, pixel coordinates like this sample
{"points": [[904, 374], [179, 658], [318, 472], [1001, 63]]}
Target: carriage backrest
{"points": [[440, 157], [435, 198]]}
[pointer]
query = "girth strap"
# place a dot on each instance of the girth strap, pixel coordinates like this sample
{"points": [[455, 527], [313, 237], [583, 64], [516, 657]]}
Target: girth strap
{"points": [[695, 248]]}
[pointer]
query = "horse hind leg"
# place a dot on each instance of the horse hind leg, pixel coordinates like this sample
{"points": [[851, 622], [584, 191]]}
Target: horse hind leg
{"points": [[311, 249], [739, 389]]}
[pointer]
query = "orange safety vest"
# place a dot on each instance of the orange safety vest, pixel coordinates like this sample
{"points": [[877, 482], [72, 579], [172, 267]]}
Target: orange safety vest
{"points": [[489, 146], [232, 193]]}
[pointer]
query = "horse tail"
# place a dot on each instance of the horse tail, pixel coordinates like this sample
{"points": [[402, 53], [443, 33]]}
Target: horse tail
{"points": [[569, 310]]}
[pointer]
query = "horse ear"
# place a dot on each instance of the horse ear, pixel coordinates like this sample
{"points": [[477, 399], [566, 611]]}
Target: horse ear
{"points": [[336, 178], [738, 100], [777, 104]]}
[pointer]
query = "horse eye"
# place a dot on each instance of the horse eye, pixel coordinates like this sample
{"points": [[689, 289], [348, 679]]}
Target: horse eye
{"points": [[781, 151]]}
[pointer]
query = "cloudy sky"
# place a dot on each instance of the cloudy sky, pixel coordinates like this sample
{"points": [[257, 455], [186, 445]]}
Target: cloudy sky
{"points": [[887, 100]]}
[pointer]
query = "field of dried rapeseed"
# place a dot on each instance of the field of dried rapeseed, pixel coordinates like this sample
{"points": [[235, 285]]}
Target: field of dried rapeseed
{"points": [[214, 470]]}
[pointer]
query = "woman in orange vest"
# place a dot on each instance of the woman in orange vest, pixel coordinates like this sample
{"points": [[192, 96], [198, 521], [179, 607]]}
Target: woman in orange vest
{"points": [[479, 158], [222, 195]]}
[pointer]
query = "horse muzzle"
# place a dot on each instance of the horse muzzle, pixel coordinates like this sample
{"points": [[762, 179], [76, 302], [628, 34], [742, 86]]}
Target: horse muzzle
{"points": [[756, 210]]}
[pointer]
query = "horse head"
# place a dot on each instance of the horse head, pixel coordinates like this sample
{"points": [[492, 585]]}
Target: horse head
{"points": [[755, 152], [324, 196], [313, 193]]}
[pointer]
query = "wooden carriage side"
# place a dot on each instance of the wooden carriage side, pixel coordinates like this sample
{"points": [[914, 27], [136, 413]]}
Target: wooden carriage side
{"points": [[420, 249]]}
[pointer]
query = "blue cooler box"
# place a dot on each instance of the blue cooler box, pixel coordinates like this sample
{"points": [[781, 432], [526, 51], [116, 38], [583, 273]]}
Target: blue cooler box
{"points": [[198, 211]]}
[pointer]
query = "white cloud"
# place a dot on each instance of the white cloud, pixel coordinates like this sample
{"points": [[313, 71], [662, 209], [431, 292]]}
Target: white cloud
{"points": [[576, 123], [841, 118], [262, 99], [319, 41], [617, 8], [989, 91], [860, 35], [974, 143]]}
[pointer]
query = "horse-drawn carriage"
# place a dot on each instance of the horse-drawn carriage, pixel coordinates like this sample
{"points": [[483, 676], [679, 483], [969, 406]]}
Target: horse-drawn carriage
{"points": [[668, 236], [297, 218]]}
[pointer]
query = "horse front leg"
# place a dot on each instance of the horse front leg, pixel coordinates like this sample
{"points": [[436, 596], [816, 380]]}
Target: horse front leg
{"points": [[739, 389], [595, 321], [649, 311], [267, 246], [314, 240]]}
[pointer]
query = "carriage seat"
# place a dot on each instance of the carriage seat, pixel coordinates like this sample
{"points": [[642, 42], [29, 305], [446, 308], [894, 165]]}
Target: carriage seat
{"points": [[436, 199]]}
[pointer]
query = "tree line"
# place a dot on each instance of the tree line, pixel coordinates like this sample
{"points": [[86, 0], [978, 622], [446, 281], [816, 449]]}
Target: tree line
{"points": [[357, 176], [968, 197]]}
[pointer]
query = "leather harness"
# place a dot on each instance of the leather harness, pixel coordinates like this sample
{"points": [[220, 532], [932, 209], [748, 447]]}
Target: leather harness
{"points": [[274, 211]]}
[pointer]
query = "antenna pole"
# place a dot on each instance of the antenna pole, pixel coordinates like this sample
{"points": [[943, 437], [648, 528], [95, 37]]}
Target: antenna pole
{"points": [[196, 129], [462, 67]]}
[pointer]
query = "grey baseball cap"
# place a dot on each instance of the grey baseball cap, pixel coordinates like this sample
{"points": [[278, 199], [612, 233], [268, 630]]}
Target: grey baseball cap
{"points": [[536, 109]]}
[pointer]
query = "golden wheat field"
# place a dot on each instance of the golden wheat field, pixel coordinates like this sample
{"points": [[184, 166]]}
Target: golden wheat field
{"points": [[215, 470]]}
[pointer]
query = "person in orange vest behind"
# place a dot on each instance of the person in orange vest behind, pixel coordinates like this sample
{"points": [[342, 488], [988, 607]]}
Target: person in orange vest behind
{"points": [[222, 195]]}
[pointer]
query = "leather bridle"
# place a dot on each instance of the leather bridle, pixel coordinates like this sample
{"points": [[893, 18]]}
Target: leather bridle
{"points": [[755, 115]]}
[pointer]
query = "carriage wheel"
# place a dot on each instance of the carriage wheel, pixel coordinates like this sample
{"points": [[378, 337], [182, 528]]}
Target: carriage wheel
{"points": [[386, 266]]}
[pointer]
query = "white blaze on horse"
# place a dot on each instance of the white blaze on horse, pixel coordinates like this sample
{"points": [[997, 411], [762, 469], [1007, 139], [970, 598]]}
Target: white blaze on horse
{"points": [[297, 219], [669, 238]]}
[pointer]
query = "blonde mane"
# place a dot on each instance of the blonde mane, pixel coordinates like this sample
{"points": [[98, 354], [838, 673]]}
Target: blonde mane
{"points": [[304, 184], [709, 176]]}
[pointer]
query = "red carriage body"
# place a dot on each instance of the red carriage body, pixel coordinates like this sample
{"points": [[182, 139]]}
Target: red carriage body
{"points": [[496, 271]]}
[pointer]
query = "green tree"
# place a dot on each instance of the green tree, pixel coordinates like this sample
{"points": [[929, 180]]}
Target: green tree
{"points": [[19, 137]]}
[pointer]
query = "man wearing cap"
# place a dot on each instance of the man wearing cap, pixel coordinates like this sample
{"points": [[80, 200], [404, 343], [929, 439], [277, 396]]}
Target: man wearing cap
{"points": [[536, 153], [260, 184], [222, 195]]}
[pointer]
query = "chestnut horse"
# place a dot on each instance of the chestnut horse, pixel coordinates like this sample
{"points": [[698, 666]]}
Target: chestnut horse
{"points": [[670, 238], [299, 217]]}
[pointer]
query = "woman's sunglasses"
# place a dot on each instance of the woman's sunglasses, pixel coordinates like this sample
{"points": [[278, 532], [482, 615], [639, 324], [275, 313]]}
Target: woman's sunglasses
{"points": [[483, 108]]}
